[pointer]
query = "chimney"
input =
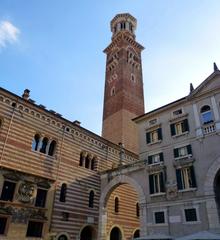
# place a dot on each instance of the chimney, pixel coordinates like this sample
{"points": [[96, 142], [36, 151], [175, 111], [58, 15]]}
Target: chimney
{"points": [[26, 94], [77, 122]]}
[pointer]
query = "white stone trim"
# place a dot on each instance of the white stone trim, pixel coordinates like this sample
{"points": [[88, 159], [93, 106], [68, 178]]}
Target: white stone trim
{"points": [[215, 108]]}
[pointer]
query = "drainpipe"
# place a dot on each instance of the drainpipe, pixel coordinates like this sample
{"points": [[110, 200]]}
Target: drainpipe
{"points": [[9, 128]]}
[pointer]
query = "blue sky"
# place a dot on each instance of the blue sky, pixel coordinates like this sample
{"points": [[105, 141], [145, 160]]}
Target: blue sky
{"points": [[54, 48]]}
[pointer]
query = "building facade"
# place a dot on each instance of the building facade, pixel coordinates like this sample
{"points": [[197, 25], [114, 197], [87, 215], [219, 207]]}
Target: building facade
{"points": [[50, 173], [179, 143], [60, 181]]}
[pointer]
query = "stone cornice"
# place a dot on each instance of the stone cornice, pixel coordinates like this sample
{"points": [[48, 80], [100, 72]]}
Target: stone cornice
{"points": [[123, 36]]}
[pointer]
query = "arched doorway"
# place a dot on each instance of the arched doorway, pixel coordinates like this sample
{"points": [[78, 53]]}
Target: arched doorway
{"points": [[217, 191], [136, 234], [87, 233], [117, 188], [115, 234]]}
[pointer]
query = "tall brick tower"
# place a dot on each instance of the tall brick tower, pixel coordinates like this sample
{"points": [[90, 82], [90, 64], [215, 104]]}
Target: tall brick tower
{"points": [[123, 98]]}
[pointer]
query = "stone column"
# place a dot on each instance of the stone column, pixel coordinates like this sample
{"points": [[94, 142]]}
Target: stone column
{"points": [[212, 214], [48, 146], [216, 113], [199, 132], [143, 219], [127, 26], [40, 143], [102, 223]]}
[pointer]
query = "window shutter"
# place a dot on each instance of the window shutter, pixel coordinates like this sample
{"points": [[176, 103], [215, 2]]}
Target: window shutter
{"points": [[149, 159], [176, 152], [179, 180], [161, 157], [162, 184], [172, 129], [193, 177], [148, 137], [185, 125], [151, 183], [189, 149], [159, 132]]}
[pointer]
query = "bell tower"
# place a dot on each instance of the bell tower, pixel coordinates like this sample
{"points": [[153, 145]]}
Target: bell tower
{"points": [[123, 97]]}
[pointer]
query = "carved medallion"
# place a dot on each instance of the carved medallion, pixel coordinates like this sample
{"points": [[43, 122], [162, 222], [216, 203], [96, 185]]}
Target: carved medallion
{"points": [[26, 192]]}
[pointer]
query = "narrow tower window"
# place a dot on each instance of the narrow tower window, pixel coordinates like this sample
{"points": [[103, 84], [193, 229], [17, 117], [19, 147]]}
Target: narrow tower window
{"points": [[113, 91], [87, 162], [116, 205], [52, 148], [93, 164], [91, 199], [81, 160], [63, 192]]}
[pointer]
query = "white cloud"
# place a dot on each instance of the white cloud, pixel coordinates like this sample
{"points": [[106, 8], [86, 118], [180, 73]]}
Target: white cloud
{"points": [[8, 33]]}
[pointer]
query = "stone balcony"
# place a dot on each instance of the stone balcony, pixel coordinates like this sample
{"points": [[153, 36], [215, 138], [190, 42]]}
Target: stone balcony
{"points": [[208, 128]]}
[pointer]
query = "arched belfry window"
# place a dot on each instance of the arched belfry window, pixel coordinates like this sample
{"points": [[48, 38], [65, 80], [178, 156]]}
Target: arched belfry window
{"points": [[52, 148], [206, 114], [63, 191], [81, 159], [87, 162], [91, 199], [137, 210], [116, 205], [93, 164], [44, 145], [36, 142]]}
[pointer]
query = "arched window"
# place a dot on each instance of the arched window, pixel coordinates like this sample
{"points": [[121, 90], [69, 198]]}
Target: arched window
{"points": [[87, 162], [137, 233], [36, 142], [81, 159], [52, 148], [116, 205], [113, 91], [206, 114], [63, 192], [93, 164], [44, 145], [91, 199], [1, 122], [137, 210]]}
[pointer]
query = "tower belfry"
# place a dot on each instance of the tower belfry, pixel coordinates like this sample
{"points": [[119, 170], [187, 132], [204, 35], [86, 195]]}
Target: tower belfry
{"points": [[123, 98]]}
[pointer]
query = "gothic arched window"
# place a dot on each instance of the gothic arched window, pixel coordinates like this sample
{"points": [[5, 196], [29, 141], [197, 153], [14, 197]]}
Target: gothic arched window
{"points": [[93, 164], [81, 159], [87, 163], [44, 145], [91, 199], [35, 142], [206, 114], [63, 192], [116, 205], [52, 148]]}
